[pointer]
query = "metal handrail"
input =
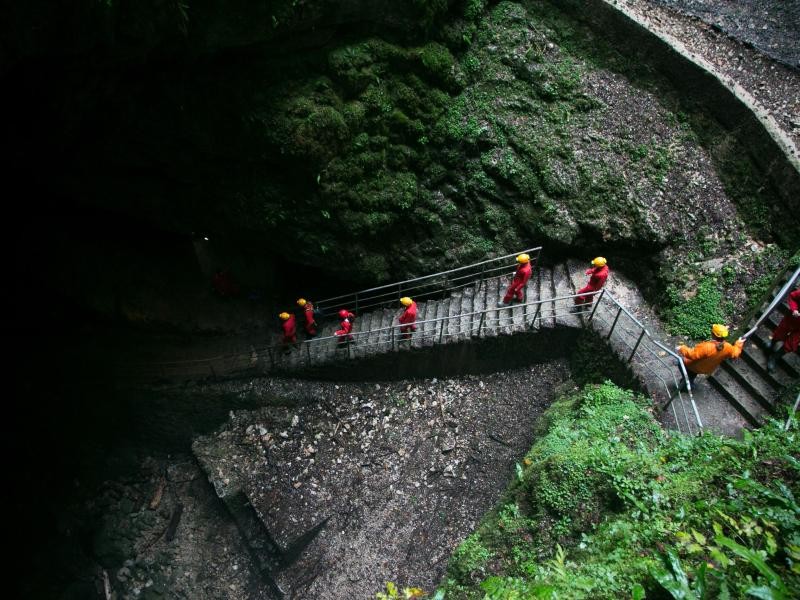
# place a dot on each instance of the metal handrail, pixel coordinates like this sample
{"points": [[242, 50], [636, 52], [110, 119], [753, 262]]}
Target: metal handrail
{"points": [[648, 352], [775, 302], [792, 413], [416, 283], [677, 358], [477, 322]]}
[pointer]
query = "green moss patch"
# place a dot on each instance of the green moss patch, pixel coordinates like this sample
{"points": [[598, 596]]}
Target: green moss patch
{"points": [[608, 505]]}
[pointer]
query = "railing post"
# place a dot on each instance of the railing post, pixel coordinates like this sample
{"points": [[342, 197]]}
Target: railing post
{"points": [[394, 346], [356, 308], [441, 330], [636, 345], [536, 314], [791, 415], [614, 324], [480, 325], [596, 304]]}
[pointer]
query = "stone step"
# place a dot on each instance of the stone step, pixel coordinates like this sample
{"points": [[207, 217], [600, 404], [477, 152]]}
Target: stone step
{"points": [[562, 285], [441, 326], [492, 297], [738, 397], [429, 330], [453, 325], [416, 337], [749, 379], [757, 359], [467, 307]]}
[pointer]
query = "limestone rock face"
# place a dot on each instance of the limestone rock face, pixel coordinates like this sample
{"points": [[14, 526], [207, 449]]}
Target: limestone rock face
{"points": [[377, 140]]}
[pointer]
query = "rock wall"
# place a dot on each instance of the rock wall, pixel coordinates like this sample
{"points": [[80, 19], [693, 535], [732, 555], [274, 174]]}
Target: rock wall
{"points": [[697, 80]]}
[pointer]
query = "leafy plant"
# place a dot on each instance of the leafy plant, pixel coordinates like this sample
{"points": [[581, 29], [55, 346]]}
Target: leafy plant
{"points": [[407, 593], [676, 582]]}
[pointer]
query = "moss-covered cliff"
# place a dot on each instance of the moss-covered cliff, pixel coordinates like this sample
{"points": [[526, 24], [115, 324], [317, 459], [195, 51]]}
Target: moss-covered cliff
{"points": [[381, 140]]}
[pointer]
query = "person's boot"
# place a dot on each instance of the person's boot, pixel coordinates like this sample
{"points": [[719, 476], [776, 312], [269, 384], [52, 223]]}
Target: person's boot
{"points": [[774, 353]]}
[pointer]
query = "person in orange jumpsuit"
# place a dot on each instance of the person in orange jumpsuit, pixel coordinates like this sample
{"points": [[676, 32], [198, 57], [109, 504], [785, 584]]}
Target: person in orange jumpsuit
{"points": [[345, 327], [408, 318], [786, 337], [706, 356], [289, 326], [521, 277], [598, 274], [308, 312]]}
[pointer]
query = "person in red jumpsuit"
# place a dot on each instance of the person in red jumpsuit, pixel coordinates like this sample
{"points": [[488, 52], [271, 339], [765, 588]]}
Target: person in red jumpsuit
{"points": [[345, 327], [521, 277], [598, 273], [308, 312], [407, 318], [786, 337], [289, 331]]}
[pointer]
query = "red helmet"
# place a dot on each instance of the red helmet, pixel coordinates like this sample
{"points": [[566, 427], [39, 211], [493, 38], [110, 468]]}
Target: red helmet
{"points": [[343, 313]]}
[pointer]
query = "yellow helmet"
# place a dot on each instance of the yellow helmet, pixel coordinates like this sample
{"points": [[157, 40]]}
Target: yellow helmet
{"points": [[719, 331], [406, 301], [599, 262], [523, 258], [301, 302], [283, 316]]}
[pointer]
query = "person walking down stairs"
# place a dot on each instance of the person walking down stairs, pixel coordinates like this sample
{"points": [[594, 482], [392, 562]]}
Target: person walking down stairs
{"points": [[598, 274], [407, 318], [706, 356], [289, 331], [308, 312], [345, 327], [786, 337], [515, 291]]}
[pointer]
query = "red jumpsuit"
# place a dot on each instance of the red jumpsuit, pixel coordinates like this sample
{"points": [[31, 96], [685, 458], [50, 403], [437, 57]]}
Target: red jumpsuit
{"points": [[521, 277], [597, 280], [408, 318], [788, 330], [346, 326], [311, 323], [289, 330]]}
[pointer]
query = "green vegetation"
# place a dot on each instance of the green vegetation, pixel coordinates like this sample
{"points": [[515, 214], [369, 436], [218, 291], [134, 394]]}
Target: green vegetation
{"points": [[484, 128], [608, 505], [693, 316]]}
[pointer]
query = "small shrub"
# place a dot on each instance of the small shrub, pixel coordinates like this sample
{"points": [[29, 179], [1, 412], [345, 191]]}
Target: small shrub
{"points": [[692, 317], [469, 559]]}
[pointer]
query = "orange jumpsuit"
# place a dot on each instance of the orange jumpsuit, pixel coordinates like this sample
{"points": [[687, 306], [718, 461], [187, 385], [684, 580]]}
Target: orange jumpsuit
{"points": [[705, 358]]}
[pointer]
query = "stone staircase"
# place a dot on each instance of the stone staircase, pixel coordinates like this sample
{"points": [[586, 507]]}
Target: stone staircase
{"points": [[740, 394], [745, 383], [466, 313]]}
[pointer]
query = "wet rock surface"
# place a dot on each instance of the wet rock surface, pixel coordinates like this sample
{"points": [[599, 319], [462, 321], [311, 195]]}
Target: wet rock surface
{"points": [[745, 40], [771, 26], [397, 473], [158, 532]]}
